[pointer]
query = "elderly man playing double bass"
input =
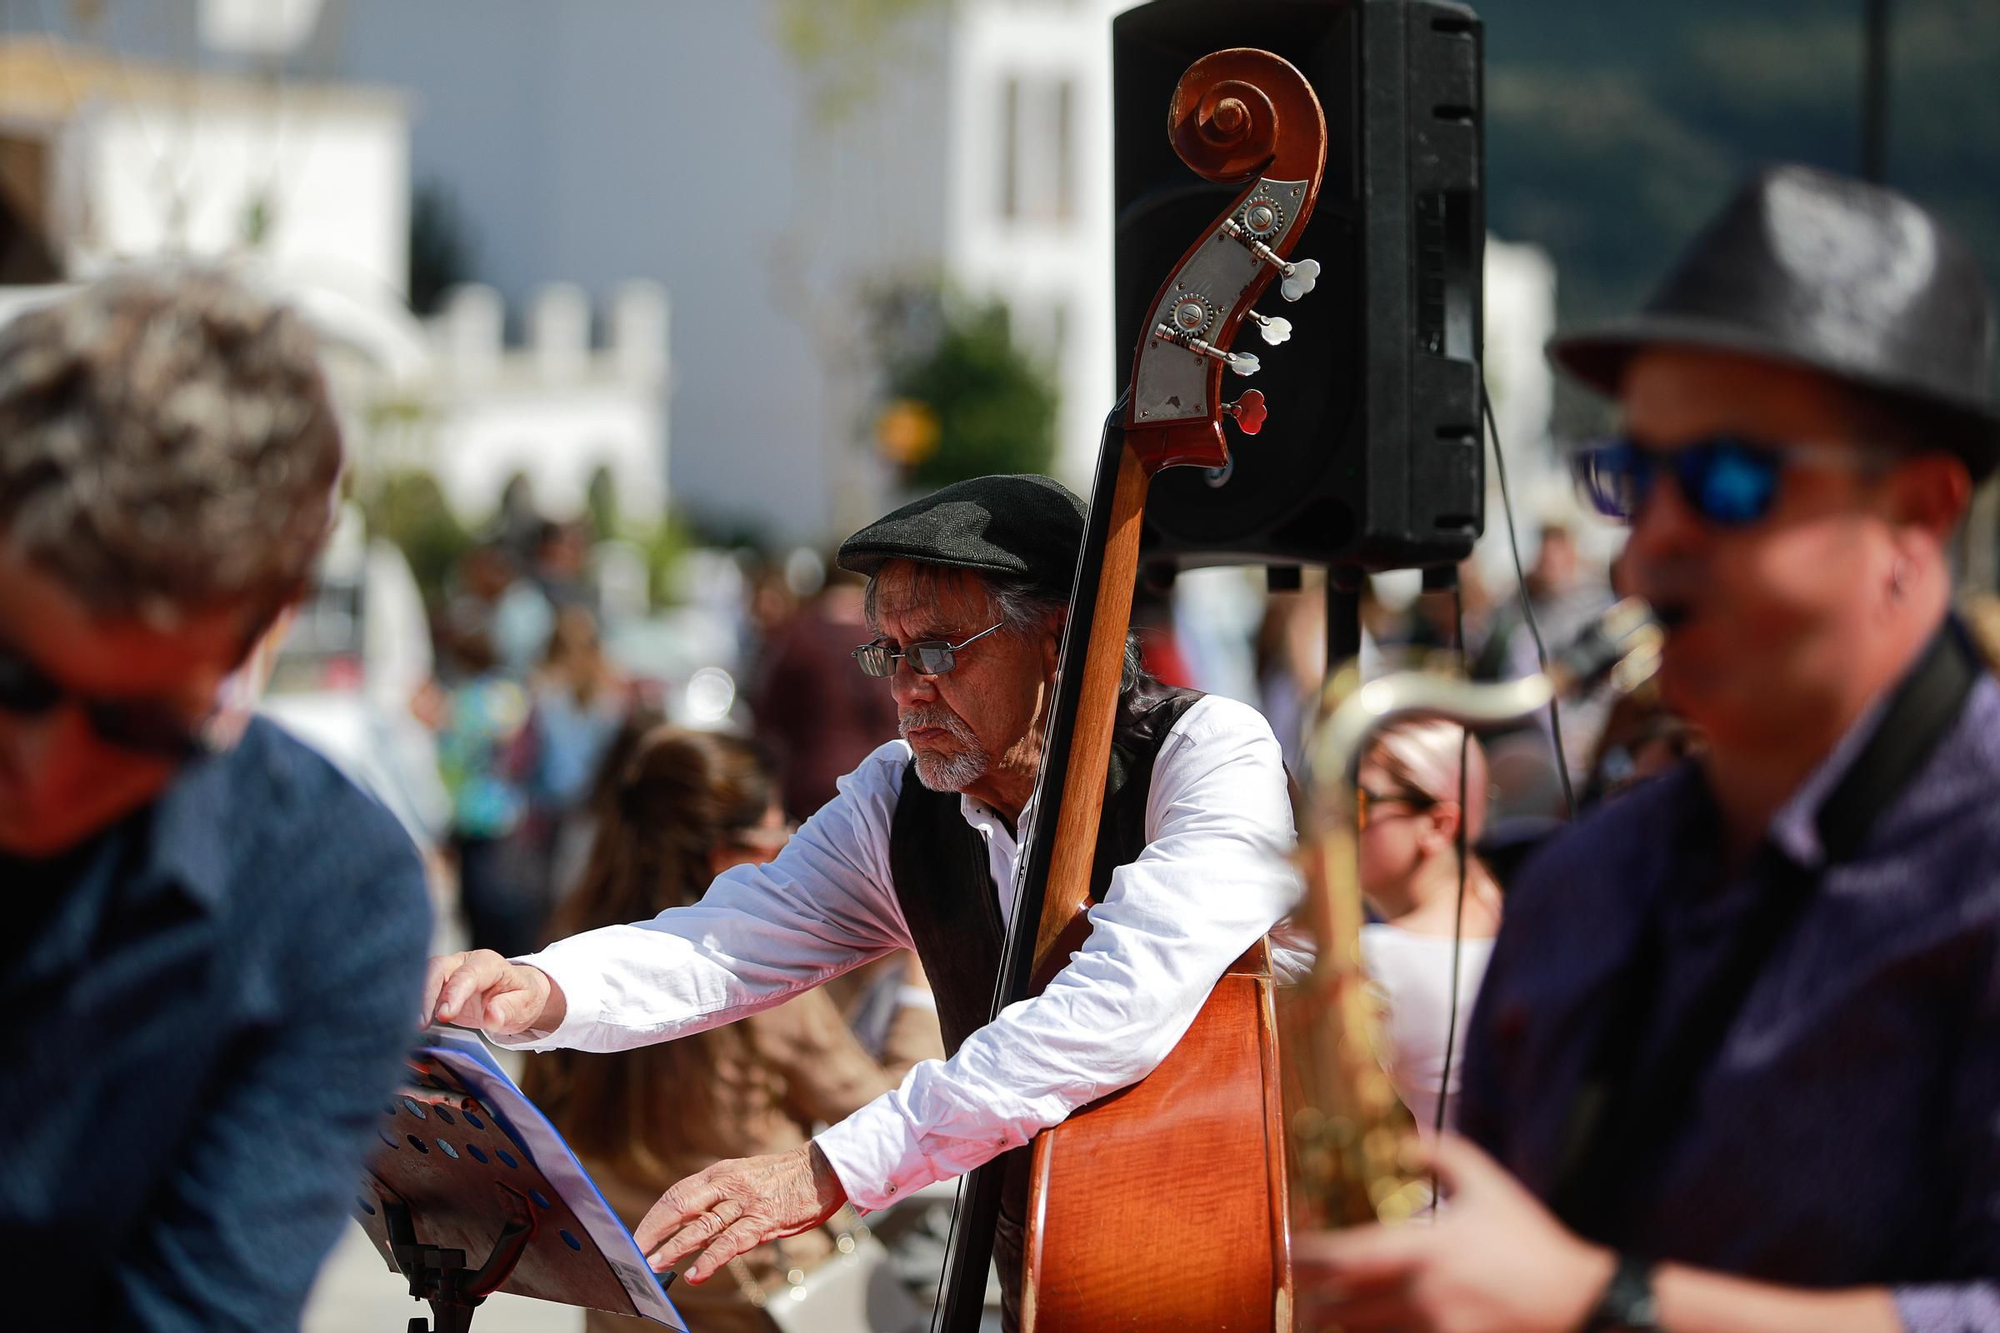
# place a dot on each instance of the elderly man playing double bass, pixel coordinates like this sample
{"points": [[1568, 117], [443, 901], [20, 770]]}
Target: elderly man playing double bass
{"points": [[968, 594], [1736, 1064]]}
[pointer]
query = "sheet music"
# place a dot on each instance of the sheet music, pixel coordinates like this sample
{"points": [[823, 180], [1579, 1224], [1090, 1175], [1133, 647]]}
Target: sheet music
{"points": [[471, 1063]]}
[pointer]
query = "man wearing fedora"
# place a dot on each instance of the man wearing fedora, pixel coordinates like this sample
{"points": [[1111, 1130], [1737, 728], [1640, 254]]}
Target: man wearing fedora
{"points": [[967, 596], [1737, 1062]]}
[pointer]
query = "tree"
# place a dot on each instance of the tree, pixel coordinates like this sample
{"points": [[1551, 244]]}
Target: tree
{"points": [[960, 399], [844, 47], [441, 248]]}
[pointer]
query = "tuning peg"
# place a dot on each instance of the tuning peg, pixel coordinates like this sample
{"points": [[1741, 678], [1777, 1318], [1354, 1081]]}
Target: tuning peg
{"points": [[1248, 411], [1243, 363], [1274, 329], [1301, 276]]}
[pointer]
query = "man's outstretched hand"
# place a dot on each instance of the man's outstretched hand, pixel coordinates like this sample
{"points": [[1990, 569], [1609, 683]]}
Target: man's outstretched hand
{"points": [[481, 989], [737, 1205]]}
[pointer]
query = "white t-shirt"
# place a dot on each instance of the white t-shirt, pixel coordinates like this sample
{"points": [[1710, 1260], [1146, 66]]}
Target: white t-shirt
{"points": [[1413, 973]]}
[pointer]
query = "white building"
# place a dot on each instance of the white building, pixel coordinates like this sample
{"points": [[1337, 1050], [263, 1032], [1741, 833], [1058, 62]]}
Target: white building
{"points": [[111, 159], [107, 158], [303, 188], [1520, 319], [556, 411]]}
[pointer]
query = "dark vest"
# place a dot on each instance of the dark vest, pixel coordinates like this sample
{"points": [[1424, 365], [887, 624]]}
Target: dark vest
{"points": [[938, 861]]}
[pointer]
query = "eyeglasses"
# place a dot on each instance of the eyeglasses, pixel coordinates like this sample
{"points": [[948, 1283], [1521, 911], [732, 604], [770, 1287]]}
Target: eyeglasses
{"points": [[1365, 802], [931, 657], [145, 726], [1730, 481]]}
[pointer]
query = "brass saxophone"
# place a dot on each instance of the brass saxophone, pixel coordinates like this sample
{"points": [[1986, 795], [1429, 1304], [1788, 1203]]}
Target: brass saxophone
{"points": [[1347, 1125]]}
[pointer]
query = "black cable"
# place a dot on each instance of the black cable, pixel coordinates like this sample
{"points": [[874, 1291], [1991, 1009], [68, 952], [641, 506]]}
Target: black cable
{"points": [[1459, 913], [1527, 610], [1463, 840]]}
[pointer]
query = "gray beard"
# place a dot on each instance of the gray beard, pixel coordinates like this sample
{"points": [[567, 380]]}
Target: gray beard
{"points": [[955, 773], [941, 772]]}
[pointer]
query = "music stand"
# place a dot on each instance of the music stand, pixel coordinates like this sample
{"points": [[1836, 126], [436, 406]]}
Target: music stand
{"points": [[471, 1191]]}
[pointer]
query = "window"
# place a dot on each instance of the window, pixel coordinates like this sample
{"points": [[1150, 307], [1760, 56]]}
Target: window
{"points": [[1010, 149], [1038, 150]]}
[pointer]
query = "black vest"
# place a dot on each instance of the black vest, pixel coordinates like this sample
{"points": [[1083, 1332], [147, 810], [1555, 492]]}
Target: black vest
{"points": [[938, 861]]}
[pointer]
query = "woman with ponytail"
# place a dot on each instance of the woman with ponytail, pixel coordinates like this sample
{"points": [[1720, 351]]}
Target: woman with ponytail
{"points": [[676, 809]]}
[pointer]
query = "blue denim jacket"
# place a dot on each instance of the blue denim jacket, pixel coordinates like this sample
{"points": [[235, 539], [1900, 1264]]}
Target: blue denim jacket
{"points": [[1849, 1131], [194, 1045]]}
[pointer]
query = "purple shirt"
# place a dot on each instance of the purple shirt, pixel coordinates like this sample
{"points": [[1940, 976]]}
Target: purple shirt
{"points": [[1849, 1131]]}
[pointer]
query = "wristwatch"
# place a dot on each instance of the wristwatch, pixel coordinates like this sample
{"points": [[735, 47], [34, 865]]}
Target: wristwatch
{"points": [[1628, 1302]]}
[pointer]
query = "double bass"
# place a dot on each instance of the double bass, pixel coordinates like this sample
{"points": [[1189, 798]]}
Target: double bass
{"points": [[1164, 1205]]}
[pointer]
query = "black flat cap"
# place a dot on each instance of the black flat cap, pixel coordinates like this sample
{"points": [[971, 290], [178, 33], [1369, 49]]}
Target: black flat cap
{"points": [[1836, 275], [1023, 527]]}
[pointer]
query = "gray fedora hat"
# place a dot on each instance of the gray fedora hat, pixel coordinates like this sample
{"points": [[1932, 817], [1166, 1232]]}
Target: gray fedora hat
{"points": [[1845, 278]]}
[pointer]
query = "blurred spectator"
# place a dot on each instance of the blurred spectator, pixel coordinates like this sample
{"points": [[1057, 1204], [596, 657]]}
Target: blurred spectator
{"points": [[477, 585], [523, 620], [561, 567], [1433, 616], [1565, 597], [771, 602], [1159, 648], [1410, 819], [816, 713], [578, 701], [491, 600], [683, 807], [1291, 662], [214, 942], [517, 523], [482, 720]]}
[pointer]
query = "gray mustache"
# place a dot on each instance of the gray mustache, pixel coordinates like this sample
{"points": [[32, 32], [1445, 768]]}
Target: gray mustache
{"points": [[917, 718]]}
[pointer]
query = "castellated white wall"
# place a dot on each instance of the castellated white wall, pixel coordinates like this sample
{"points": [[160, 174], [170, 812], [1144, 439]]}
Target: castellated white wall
{"points": [[556, 409]]}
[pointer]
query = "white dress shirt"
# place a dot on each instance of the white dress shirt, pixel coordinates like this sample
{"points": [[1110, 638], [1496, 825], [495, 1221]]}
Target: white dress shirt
{"points": [[1214, 876]]}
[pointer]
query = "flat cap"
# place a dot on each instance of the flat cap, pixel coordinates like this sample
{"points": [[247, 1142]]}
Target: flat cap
{"points": [[1023, 527]]}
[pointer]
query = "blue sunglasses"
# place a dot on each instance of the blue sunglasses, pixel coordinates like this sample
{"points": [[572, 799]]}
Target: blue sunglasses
{"points": [[1730, 481]]}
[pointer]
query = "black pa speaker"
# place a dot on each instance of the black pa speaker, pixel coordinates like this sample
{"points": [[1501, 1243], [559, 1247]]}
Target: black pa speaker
{"points": [[1371, 454]]}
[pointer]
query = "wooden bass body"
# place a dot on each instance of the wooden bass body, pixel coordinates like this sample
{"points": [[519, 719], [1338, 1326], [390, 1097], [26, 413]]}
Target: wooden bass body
{"points": [[1163, 1206]]}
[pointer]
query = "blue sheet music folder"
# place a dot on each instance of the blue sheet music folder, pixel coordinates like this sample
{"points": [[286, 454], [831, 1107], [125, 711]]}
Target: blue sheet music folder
{"points": [[466, 1153]]}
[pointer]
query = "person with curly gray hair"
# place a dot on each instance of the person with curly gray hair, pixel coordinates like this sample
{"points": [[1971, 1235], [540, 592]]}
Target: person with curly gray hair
{"points": [[214, 941]]}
